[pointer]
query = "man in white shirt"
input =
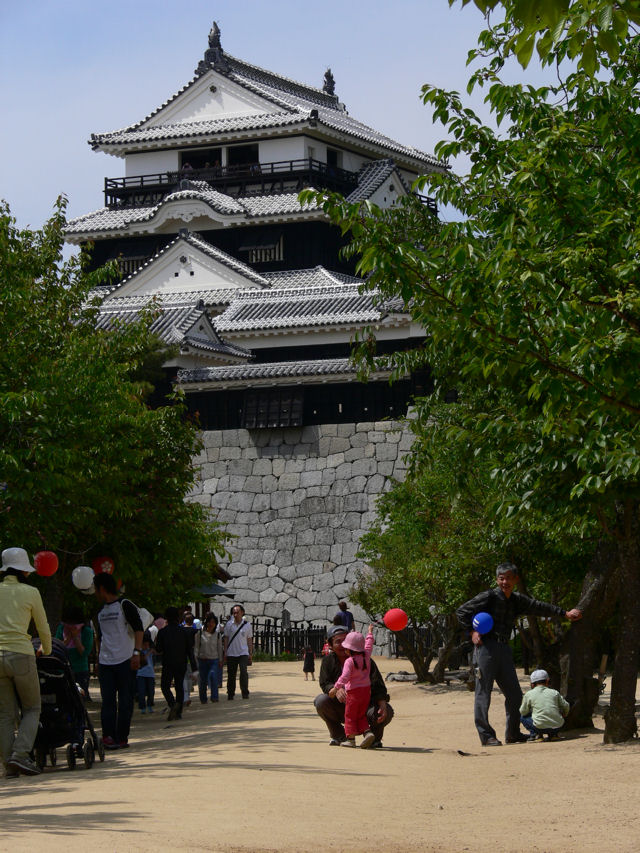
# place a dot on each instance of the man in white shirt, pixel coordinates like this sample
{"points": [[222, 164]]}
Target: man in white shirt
{"points": [[121, 631], [238, 649]]}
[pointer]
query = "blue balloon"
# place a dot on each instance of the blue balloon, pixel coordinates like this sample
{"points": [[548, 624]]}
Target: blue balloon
{"points": [[482, 623]]}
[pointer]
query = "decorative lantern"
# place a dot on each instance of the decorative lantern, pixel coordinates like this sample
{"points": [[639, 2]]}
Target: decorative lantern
{"points": [[103, 564], [82, 579]]}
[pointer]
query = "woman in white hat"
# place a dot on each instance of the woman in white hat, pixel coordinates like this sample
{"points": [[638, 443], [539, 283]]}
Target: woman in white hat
{"points": [[19, 604]]}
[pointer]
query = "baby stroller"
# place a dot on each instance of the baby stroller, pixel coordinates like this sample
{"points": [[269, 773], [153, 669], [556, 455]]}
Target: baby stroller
{"points": [[63, 718]]}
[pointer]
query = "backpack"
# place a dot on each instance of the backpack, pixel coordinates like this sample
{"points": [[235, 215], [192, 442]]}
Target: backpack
{"points": [[145, 617]]}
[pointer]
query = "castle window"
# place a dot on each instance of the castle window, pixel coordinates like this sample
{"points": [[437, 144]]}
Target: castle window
{"points": [[264, 249], [273, 407]]}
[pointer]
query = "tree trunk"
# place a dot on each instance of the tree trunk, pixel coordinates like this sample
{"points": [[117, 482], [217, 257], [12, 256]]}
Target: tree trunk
{"points": [[418, 655], [620, 718], [444, 652], [597, 602]]}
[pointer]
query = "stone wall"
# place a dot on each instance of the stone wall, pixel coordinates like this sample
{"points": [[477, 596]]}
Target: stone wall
{"points": [[297, 501]]}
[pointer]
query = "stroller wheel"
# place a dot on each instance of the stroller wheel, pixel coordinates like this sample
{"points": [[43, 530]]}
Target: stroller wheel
{"points": [[41, 758], [71, 757], [53, 758], [100, 749], [88, 753]]}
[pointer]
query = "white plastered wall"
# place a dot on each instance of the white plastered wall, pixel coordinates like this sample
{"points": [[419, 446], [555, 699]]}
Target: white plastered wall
{"points": [[151, 163]]}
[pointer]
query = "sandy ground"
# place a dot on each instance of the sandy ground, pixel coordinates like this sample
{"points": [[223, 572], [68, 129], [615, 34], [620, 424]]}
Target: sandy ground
{"points": [[259, 775]]}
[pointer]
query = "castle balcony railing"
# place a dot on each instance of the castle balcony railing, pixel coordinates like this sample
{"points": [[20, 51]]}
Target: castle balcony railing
{"points": [[428, 202], [237, 180]]}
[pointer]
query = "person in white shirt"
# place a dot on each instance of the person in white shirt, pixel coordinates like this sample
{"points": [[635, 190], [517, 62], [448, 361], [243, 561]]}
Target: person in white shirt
{"points": [[118, 661], [238, 650]]}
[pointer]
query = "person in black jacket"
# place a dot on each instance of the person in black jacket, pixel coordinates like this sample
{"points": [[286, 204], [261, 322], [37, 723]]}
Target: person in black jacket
{"points": [[492, 656], [379, 714], [175, 644]]}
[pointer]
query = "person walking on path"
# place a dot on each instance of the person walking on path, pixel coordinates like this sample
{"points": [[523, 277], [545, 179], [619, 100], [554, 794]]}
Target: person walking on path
{"points": [[189, 625], [344, 616], [492, 656], [355, 680], [332, 708], [175, 645], [238, 649], [19, 604], [120, 630], [77, 637], [208, 654], [146, 676], [309, 665]]}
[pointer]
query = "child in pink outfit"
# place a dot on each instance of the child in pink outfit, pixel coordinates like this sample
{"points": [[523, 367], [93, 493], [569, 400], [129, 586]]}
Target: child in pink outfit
{"points": [[355, 680]]}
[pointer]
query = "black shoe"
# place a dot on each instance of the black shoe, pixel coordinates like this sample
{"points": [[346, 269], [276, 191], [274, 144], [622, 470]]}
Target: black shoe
{"points": [[377, 744], [245, 695], [174, 712], [519, 738], [491, 741], [25, 766], [229, 698]]}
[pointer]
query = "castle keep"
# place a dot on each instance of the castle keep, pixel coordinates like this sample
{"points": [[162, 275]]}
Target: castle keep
{"points": [[261, 310]]}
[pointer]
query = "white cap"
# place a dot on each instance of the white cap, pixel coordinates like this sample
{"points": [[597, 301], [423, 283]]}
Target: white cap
{"points": [[539, 675], [16, 558]]}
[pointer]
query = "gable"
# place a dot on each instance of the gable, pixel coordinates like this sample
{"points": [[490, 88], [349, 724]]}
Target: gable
{"points": [[208, 97], [183, 269]]}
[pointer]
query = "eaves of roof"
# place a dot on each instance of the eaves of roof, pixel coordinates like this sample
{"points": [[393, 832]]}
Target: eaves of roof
{"points": [[275, 373], [132, 219]]}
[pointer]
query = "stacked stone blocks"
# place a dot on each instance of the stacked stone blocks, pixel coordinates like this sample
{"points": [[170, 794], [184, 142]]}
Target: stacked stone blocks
{"points": [[297, 502]]}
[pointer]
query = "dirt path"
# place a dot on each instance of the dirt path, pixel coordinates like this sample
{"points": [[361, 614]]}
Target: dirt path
{"points": [[259, 775]]}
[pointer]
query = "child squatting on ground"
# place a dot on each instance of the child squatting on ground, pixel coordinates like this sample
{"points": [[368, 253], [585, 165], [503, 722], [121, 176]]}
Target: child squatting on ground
{"points": [[543, 710], [355, 680]]}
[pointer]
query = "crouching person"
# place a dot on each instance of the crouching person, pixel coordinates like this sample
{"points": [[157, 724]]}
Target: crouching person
{"points": [[543, 710], [331, 709]]}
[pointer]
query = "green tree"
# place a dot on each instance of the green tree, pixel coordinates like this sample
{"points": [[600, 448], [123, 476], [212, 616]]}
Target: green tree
{"points": [[87, 468], [586, 29], [437, 539], [535, 295]]}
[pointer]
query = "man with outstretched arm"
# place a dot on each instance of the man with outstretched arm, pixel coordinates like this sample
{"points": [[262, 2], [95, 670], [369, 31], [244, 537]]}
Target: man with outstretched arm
{"points": [[492, 656]]}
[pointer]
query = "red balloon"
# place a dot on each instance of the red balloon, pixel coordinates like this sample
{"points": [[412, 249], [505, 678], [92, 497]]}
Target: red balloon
{"points": [[103, 564], [395, 619], [45, 563]]}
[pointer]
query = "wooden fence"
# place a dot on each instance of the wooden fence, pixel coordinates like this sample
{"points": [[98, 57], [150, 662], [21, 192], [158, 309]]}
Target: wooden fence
{"points": [[275, 636]]}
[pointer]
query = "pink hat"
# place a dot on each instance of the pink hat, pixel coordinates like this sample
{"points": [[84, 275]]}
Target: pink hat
{"points": [[354, 641]]}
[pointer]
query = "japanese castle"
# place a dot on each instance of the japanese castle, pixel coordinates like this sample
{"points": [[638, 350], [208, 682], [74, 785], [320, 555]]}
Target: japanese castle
{"points": [[260, 311]]}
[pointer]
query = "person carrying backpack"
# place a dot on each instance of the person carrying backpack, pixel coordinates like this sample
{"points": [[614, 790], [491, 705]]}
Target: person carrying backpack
{"points": [[121, 631]]}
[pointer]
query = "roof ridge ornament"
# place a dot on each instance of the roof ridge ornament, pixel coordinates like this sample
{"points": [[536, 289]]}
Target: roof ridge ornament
{"points": [[214, 56], [329, 85]]}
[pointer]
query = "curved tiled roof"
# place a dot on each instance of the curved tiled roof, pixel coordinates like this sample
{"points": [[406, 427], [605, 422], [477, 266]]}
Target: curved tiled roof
{"points": [[293, 102], [106, 219], [193, 129], [171, 325], [314, 277], [295, 307], [372, 176], [274, 370]]}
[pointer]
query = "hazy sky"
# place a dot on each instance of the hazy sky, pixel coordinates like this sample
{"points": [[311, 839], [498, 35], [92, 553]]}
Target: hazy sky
{"points": [[70, 68]]}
